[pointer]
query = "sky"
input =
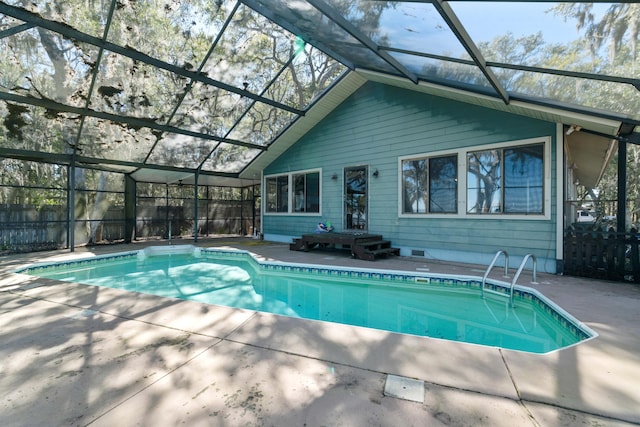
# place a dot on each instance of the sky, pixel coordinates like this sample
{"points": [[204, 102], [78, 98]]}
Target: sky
{"points": [[485, 21], [418, 26]]}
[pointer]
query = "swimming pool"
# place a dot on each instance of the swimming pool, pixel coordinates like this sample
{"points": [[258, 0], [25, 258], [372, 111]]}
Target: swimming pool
{"points": [[444, 307]]}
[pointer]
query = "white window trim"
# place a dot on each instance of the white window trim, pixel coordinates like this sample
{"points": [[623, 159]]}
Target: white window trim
{"points": [[431, 155], [290, 195], [462, 181]]}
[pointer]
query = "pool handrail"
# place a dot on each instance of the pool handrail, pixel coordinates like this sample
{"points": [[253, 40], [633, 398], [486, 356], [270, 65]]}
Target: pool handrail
{"points": [[515, 276], [495, 258]]}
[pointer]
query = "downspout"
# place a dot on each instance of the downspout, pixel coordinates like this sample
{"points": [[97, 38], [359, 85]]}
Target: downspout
{"points": [[560, 185]]}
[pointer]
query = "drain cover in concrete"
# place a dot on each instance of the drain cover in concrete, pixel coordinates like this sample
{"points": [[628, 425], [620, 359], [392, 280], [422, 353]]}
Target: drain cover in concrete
{"points": [[404, 388], [84, 313]]}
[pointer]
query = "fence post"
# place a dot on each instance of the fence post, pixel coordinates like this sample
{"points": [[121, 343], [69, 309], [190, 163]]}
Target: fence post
{"points": [[611, 252], [621, 258], [635, 255], [569, 252]]}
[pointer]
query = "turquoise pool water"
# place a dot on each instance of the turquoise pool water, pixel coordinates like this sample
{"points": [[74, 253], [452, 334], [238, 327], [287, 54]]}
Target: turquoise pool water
{"points": [[439, 307]]}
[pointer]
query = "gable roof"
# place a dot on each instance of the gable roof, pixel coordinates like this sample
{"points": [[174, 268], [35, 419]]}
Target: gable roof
{"points": [[219, 89], [589, 152]]}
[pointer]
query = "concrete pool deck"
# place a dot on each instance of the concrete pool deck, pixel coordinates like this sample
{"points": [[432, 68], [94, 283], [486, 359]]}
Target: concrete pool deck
{"points": [[81, 355]]}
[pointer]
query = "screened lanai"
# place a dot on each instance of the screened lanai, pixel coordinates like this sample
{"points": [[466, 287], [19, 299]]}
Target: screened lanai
{"points": [[138, 113]]}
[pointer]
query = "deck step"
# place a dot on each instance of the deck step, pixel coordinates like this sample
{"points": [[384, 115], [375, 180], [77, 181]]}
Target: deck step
{"points": [[381, 243], [363, 246], [296, 245], [384, 251]]}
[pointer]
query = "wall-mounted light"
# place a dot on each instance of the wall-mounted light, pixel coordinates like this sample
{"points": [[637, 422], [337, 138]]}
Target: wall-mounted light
{"points": [[334, 176], [572, 129], [376, 173]]}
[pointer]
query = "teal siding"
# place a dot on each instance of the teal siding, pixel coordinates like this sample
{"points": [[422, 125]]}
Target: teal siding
{"points": [[377, 125]]}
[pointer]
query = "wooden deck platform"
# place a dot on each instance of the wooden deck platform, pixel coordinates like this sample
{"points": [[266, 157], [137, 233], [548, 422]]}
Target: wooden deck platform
{"points": [[362, 245]]}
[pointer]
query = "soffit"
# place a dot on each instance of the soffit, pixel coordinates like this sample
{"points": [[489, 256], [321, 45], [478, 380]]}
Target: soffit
{"points": [[587, 156], [188, 178]]}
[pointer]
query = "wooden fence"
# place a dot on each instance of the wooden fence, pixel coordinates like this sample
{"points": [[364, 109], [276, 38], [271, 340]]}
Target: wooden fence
{"points": [[32, 236], [214, 217], [25, 228], [602, 254]]}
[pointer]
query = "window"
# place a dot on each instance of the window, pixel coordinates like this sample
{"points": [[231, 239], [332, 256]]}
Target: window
{"points": [[430, 185], [305, 197], [507, 180], [307, 192], [277, 194]]}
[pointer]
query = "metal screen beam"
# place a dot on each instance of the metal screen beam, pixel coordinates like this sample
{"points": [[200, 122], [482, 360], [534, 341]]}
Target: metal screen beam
{"points": [[566, 73], [542, 70], [267, 13], [461, 33], [15, 30], [132, 121], [35, 156], [190, 84], [347, 26], [72, 33], [92, 162], [94, 75]]}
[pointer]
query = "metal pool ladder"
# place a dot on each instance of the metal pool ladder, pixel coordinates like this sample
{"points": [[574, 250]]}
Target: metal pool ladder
{"points": [[495, 258], [506, 271], [515, 277]]}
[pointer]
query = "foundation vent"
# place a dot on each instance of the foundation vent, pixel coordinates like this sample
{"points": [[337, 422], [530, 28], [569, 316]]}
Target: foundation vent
{"points": [[416, 252]]}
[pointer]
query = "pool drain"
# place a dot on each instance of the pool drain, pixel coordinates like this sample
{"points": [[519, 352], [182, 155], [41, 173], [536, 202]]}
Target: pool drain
{"points": [[404, 388], [82, 314]]}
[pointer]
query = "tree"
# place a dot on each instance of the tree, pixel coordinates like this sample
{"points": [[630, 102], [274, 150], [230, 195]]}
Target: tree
{"points": [[486, 167], [612, 36], [619, 23], [415, 181], [252, 54]]}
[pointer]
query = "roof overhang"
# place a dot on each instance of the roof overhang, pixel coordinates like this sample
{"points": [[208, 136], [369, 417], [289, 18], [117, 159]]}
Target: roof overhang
{"points": [[589, 149], [589, 152], [588, 156], [603, 125], [340, 91], [188, 177]]}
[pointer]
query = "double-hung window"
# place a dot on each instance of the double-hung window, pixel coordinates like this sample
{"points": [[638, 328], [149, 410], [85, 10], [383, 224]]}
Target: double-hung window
{"points": [[430, 185], [297, 192]]}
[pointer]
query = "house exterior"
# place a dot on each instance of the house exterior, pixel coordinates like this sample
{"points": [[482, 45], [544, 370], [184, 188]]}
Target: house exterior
{"points": [[441, 178]]}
